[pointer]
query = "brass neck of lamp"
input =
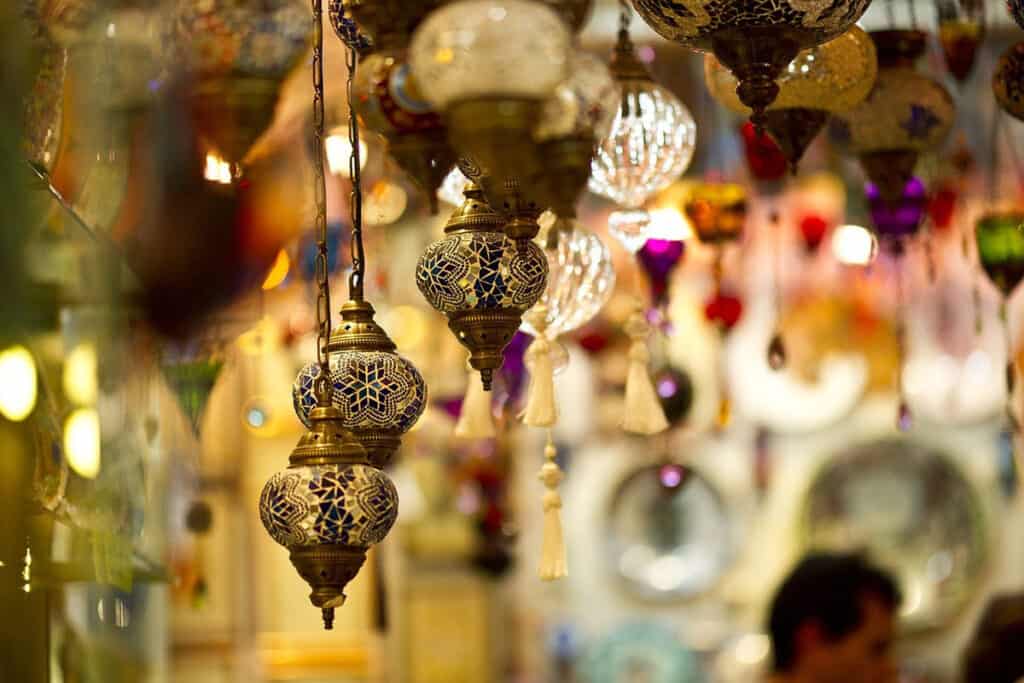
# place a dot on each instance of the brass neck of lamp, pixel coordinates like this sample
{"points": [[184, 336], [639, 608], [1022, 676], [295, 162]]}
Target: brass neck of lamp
{"points": [[358, 331], [327, 442], [474, 214]]}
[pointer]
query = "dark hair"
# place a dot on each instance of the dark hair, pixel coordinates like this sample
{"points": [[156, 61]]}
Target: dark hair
{"points": [[994, 654], [827, 589]]}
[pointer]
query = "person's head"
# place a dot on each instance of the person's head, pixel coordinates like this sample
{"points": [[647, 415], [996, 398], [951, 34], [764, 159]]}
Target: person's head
{"points": [[832, 621], [995, 655]]}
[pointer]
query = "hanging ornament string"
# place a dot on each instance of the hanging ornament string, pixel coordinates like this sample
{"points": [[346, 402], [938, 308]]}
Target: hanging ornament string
{"points": [[323, 295]]}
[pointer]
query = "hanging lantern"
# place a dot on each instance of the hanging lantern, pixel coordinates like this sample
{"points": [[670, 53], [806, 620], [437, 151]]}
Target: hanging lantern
{"points": [[658, 259], [1008, 79], [765, 158], [820, 81], [238, 55], [650, 144], [192, 381], [481, 280], [961, 30], [717, 212], [894, 222], [755, 39], [905, 114], [490, 64], [387, 23], [1000, 239]]}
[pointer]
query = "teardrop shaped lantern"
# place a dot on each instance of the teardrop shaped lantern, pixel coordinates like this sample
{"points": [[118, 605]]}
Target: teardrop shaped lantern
{"points": [[755, 39], [961, 30], [904, 115], [1000, 240], [481, 280], [829, 78], [1008, 81]]}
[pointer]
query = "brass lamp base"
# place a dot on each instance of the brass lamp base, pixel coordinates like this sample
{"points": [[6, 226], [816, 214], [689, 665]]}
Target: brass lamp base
{"points": [[890, 171], [486, 333], [233, 112], [328, 569], [380, 446], [426, 157], [756, 56], [794, 129]]}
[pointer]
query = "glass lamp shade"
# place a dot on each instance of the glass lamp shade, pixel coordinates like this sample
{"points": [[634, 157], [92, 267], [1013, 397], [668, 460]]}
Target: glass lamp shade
{"points": [[1000, 239], [717, 211], [478, 49], [584, 105], [389, 23], [894, 221], [1008, 81], [630, 227], [832, 77], [961, 30], [65, 21], [650, 144], [581, 275]]}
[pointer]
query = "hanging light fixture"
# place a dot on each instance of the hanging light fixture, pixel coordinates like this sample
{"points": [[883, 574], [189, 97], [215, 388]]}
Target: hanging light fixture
{"points": [[1007, 80], [388, 24], [754, 39], [961, 30], [905, 114], [238, 55], [650, 144], [333, 501], [828, 78]]}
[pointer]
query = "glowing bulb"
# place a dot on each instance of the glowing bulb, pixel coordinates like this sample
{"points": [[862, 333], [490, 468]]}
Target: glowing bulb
{"points": [[854, 245], [82, 442], [217, 170], [668, 224], [279, 271], [18, 383], [80, 384], [339, 149]]}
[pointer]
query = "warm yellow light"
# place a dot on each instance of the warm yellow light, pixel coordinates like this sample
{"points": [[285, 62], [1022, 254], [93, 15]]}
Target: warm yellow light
{"points": [[669, 224], [80, 384], [82, 442], [278, 271], [854, 245], [384, 203], [217, 170], [18, 383], [339, 149]]}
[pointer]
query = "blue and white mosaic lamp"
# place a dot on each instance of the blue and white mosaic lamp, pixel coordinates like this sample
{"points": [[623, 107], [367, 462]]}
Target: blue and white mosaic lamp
{"points": [[482, 280], [334, 500]]}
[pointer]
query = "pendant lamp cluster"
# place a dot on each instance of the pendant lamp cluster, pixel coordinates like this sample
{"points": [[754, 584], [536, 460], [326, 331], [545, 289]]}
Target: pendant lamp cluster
{"points": [[334, 501]]}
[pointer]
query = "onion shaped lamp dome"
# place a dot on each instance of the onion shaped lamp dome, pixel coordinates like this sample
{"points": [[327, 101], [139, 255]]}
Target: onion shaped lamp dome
{"points": [[328, 508], [1008, 81], [239, 55], [905, 114], [380, 394], [390, 103], [387, 23], [829, 78], [650, 144], [755, 39], [490, 64], [1000, 240], [482, 281]]}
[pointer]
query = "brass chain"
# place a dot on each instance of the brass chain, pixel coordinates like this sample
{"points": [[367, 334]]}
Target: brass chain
{"points": [[625, 14], [355, 280], [323, 296]]}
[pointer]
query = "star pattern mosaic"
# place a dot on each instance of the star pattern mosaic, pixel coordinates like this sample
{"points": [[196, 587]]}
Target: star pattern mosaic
{"points": [[481, 270], [329, 504], [304, 392], [377, 389]]}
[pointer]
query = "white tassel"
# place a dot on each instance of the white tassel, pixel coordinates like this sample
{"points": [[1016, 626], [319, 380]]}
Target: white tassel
{"points": [[643, 413], [540, 409], [552, 552], [476, 421]]}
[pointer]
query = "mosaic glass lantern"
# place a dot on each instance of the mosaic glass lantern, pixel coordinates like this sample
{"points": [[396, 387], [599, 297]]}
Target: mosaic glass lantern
{"points": [[481, 280], [831, 77], [328, 508], [1000, 239], [905, 114], [895, 222], [239, 55], [388, 23], [755, 39], [1008, 81]]}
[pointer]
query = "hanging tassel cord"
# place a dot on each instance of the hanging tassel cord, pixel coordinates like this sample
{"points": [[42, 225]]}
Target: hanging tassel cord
{"points": [[552, 554], [643, 413], [541, 409], [476, 421]]}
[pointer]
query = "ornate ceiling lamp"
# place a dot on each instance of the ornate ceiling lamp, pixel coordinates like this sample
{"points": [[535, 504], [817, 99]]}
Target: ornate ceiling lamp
{"points": [[651, 142], [755, 39], [961, 30], [481, 280], [332, 503], [1008, 81], [831, 77], [905, 114], [388, 98], [238, 55], [491, 64]]}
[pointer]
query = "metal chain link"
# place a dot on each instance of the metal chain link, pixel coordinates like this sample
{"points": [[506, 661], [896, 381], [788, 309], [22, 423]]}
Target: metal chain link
{"points": [[355, 280], [323, 296], [625, 14]]}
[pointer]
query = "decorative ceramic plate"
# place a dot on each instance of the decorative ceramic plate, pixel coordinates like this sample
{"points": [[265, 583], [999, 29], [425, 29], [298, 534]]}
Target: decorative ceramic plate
{"points": [[669, 534], [913, 511], [640, 652]]}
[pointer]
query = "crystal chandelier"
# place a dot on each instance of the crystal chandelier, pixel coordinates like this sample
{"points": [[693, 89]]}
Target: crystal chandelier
{"points": [[650, 144], [832, 77], [755, 39], [334, 501]]}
